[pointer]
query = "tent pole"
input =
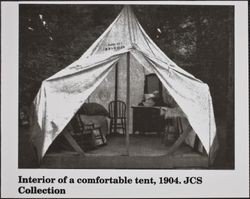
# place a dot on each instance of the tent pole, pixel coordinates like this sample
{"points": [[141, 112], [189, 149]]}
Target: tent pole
{"points": [[128, 104], [116, 96]]}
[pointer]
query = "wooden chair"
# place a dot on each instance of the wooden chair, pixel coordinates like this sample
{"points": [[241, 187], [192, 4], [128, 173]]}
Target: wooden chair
{"points": [[84, 133], [170, 122], [117, 115]]}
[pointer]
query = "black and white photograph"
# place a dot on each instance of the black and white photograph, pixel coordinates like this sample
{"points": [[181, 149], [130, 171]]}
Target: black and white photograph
{"points": [[120, 86], [113, 89]]}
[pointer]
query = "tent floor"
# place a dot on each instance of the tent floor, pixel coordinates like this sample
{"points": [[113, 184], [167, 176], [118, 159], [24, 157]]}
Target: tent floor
{"points": [[145, 151]]}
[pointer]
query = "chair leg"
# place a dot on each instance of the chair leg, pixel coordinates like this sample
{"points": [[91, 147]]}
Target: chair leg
{"points": [[93, 139], [165, 136], [121, 125], [125, 128], [102, 136], [111, 126], [181, 127]]}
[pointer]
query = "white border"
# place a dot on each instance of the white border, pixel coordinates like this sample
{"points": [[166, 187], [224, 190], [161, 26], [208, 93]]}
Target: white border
{"points": [[216, 183], [138, 2]]}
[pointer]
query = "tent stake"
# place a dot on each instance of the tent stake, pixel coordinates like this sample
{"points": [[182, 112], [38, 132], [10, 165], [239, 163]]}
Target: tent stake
{"points": [[128, 104]]}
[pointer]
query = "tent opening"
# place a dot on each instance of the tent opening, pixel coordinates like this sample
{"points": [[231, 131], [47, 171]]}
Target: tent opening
{"points": [[151, 127]]}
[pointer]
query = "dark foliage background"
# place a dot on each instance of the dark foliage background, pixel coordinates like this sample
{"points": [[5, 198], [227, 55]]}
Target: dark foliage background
{"points": [[198, 38]]}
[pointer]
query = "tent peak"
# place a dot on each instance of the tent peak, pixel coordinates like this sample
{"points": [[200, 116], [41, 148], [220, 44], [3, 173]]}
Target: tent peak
{"points": [[127, 8]]}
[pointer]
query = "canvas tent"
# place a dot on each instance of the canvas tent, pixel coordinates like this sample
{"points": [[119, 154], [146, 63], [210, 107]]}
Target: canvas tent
{"points": [[62, 94], [114, 85]]}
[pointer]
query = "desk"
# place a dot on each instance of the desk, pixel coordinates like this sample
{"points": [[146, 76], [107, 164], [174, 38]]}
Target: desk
{"points": [[152, 119], [147, 119]]}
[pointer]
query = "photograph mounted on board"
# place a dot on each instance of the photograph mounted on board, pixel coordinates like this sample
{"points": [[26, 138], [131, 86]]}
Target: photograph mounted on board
{"points": [[126, 86]]}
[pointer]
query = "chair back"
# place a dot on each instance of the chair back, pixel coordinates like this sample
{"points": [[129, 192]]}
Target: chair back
{"points": [[117, 109], [77, 124]]}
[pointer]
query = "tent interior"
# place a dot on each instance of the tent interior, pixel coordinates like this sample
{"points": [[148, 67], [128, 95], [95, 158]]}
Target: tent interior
{"points": [[148, 142]]}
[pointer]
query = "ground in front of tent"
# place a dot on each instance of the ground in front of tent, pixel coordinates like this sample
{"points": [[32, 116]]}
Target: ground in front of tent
{"points": [[145, 151]]}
